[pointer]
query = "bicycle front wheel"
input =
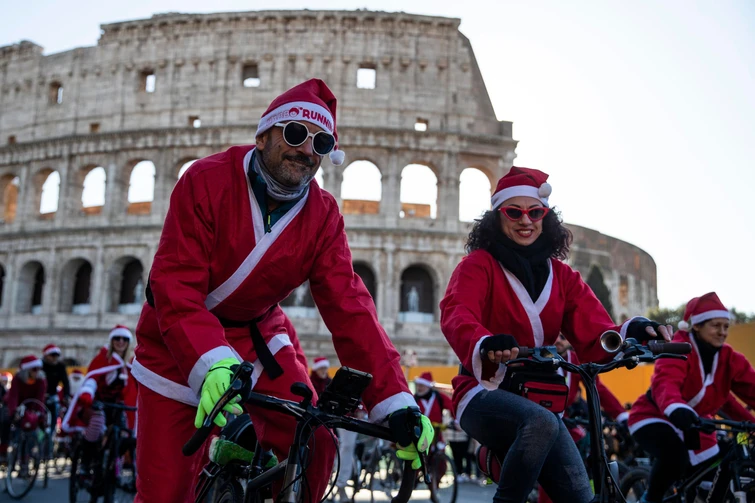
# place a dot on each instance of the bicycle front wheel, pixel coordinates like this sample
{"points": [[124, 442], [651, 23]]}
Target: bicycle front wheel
{"points": [[23, 464], [229, 492], [386, 479], [81, 478], [443, 485], [634, 483]]}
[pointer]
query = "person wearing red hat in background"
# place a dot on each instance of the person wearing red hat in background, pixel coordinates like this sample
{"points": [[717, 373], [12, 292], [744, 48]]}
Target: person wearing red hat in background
{"points": [[29, 382], [55, 373], [608, 401], [683, 391], [319, 375], [244, 229], [76, 379], [5, 381], [431, 402], [513, 289]]}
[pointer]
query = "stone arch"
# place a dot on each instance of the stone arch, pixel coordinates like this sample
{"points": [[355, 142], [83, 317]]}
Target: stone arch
{"points": [[419, 191], [299, 303], [93, 183], [183, 165], [126, 285], [365, 271], [9, 186], [597, 284], [417, 300], [474, 194], [30, 288], [47, 185], [2, 284], [361, 188], [141, 188], [76, 287]]}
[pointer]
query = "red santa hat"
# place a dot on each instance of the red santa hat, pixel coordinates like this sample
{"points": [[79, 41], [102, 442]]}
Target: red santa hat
{"points": [[30, 362], [310, 101], [426, 379], [77, 372], [321, 363], [702, 309], [522, 182], [51, 349], [120, 331]]}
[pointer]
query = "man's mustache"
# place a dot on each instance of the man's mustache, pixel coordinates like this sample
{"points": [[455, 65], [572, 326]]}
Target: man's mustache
{"points": [[303, 159]]}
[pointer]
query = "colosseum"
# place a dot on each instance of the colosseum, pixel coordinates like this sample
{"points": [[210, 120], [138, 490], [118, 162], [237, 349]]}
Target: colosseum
{"points": [[93, 140]]}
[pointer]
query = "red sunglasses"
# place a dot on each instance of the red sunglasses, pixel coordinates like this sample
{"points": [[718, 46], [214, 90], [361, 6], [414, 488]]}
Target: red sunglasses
{"points": [[514, 213]]}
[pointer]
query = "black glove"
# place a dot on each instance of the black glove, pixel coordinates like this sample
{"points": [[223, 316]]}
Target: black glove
{"points": [[636, 330], [684, 418], [500, 342], [403, 423]]}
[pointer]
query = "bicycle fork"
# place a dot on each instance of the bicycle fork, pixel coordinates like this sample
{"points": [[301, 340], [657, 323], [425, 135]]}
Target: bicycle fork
{"points": [[292, 481]]}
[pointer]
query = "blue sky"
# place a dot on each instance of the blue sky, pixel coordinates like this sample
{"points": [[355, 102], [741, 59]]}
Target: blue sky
{"points": [[642, 112]]}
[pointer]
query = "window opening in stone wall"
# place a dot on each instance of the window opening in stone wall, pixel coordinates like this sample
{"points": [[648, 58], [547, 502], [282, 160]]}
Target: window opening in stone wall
{"points": [[366, 76], [417, 297], [2, 284], [185, 166], [75, 287], [299, 303], [419, 192], [141, 189], [623, 291], [361, 189], [597, 284], [250, 75], [56, 93], [320, 177], [94, 127], [368, 278], [9, 203], [194, 121], [474, 194], [12, 140], [29, 288], [147, 81], [39, 283], [131, 294], [421, 124], [48, 203], [93, 195]]}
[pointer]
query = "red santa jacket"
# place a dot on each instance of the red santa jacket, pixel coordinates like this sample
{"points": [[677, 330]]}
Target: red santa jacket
{"points": [[680, 383], [433, 404], [483, 299], [608, 401], [215, 261], [21, 390]]}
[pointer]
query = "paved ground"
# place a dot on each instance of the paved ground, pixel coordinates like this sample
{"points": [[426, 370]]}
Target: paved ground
{"points": [[57, 492]]}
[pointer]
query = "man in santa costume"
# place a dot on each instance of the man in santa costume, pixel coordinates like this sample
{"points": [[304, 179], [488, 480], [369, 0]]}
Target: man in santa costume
{"points": [[319, 375], [55, 373], [511, 290], [245, 228], [431, 402], [683, 391]]}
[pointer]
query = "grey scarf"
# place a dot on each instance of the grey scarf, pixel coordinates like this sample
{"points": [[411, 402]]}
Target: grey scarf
{"points": [[275, 189]]}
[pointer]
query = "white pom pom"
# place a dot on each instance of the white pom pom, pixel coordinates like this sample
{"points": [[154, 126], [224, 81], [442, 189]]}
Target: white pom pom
{"points": [[683, 325], [545, 190], [337, 157]]}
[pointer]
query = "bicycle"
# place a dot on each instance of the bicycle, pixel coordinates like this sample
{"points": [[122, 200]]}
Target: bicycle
{"points": [[25, 451], [604, 473], [258, 469], [696, 486], [107, 474]]}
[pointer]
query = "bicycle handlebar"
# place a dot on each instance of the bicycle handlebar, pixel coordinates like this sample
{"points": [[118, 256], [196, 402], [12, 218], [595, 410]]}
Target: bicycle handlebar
{"points": [[674, 348], [710, 425]]}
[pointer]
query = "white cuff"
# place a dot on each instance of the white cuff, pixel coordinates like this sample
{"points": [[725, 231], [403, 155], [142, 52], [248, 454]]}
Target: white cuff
{"points": [[671, 408], [625, 326], [477, 359], [381, 411], [624, 416], [89, 386], [207, 360]]}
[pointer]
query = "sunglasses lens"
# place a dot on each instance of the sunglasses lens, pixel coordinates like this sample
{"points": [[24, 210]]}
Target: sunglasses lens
{"points": [[537, 214], [513, 213], [323, 143], [120, 339], [295, 134]]}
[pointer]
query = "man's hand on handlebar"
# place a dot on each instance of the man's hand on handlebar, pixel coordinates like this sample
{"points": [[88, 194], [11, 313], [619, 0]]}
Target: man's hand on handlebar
{"points": [[414, 434], [499, 348], [216, 382]]}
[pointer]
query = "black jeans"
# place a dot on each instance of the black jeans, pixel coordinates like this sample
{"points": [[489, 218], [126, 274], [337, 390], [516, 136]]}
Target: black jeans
{"points": [[461, 456], [534, 445]]}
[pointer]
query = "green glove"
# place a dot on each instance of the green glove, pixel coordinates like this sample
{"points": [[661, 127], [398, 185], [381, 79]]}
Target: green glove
{"points": [[216, 382], [403, 423]]}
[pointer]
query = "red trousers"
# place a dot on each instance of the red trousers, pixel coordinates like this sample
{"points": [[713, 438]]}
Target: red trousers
{"points": [[165, 475]]}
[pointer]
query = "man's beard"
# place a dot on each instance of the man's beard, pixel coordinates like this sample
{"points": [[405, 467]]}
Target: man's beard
{"points": [[283, 176]]}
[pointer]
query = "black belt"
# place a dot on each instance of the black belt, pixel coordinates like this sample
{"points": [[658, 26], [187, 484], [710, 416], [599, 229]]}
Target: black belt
{"points": [[267, 359]]}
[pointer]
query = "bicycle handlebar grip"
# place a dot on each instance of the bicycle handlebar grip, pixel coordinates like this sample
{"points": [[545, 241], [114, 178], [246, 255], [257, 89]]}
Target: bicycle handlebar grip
{"points": [[196, 440], [524, 352], [408, 479], [677, 348]]}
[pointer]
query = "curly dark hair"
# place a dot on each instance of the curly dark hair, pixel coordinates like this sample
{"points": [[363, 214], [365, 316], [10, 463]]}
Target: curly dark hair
{"points": [[558, 236]]}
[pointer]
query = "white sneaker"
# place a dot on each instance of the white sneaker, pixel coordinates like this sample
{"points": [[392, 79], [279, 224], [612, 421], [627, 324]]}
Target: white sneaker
{"points": [[463, 478]]}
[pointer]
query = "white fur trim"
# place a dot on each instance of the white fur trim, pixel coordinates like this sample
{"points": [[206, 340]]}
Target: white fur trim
{"points": [[424, 382], [203, 364], [545, 190], [54, 349], [633, 428], [671, 408], [707, 378], [82, 389], [516, 191], [163, 386], [624, 416], [684, 326], [89, 387], [120, 332], [337, 157], [382, 410], [263, 243], [468, 396], [324, 364], [708, 315], [34, 364], [427, 405], [697, 458], [302, 111]]}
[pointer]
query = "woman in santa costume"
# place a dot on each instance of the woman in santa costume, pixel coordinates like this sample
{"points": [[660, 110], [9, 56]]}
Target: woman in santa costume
{"points": [[244, 229], [512, 289], [28, 383], [683, 391]]}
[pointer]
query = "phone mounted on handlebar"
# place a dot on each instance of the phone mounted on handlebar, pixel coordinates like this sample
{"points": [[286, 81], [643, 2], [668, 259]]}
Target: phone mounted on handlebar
{"points": [[343, 394]]}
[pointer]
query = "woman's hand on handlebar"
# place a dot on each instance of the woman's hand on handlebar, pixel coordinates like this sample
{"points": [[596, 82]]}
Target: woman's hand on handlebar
{"points": [[644, 330], [499, 348]]}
